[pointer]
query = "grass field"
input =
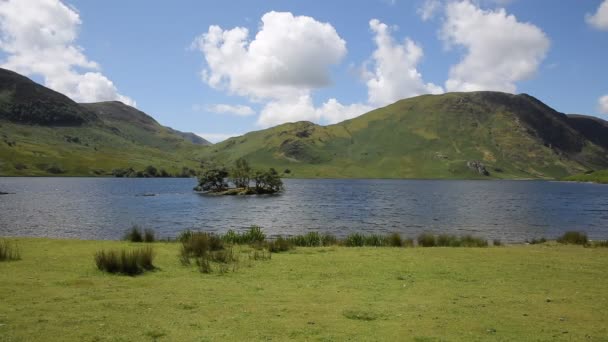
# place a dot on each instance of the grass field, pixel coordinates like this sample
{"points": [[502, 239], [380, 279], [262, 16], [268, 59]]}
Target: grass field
{"points": [[594, 177], [521, 293]]}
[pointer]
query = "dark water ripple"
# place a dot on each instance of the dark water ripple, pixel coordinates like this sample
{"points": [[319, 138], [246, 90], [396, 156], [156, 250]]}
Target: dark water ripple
{"points": [[102, 208]]}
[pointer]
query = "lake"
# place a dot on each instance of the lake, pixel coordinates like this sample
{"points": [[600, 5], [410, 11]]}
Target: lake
{"points": [[103, 208]]}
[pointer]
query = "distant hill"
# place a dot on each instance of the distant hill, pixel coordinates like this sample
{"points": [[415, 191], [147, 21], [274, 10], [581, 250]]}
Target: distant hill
{"points": [[455, 135], [43, 132]]}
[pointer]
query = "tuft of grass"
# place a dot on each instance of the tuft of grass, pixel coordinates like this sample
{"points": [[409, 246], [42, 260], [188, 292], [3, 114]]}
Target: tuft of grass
{"points": [[127, 262], [573, 238], [252, 236], [200, 244], [134, 234], [375, 240], [395, 240], [426, 240], [360, 315], [329, 239], [184, 236], [9, 251], [207, 250], [472, 241], [149, 235], [445, 240], [354, 240], [536, 241], [310, 239], [603, 243], [280, 244]]}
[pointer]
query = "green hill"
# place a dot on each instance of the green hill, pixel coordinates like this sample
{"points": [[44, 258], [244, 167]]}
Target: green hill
{"points": [[455, 135], [477, 135], [44, 133]]}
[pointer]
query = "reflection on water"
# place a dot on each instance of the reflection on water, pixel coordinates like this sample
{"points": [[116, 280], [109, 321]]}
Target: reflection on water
{"points": [[103, 208]]}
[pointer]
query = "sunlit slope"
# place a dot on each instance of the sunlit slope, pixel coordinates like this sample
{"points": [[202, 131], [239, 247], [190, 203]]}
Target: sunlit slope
{"points": [[431, 136], [44, 133]]}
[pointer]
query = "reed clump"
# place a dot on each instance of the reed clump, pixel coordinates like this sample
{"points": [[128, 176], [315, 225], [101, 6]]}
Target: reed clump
{"points": [[9, 251], [127, 262]]}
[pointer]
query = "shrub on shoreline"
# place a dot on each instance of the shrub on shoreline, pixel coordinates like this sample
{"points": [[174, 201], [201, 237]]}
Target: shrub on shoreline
{"points": [[136, 234], [9, 251], [573, 238]]}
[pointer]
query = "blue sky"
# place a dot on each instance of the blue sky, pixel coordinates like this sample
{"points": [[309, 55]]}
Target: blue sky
{"points": [[313, 60]]}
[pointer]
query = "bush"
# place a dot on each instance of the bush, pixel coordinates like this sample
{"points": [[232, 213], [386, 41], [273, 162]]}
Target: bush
{"points": [[573, 238], [184, 236], [9, 251], [134, 234], [280, 245], [149, 235], [328, 240], [536, 241], [426, 240], [354, 240], [395, 240], [444, 240], [375, 240], [497, 242], [471, 241], [200, 244], [409, 242], [311, 239], [131, 262]]}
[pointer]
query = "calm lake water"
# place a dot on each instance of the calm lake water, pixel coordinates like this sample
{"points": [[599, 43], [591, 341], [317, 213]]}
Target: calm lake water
{"points": [[103, 208]]}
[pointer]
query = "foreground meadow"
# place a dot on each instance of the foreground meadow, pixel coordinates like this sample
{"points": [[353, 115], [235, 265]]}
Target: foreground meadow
{"points": [[540, 292]]}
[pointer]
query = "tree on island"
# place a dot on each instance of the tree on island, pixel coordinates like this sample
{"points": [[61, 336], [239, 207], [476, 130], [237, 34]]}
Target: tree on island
{"points": [[217, 180], [241, 174], [213, 180]]}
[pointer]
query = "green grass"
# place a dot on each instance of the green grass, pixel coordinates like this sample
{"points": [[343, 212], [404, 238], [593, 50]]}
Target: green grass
{"points": [[514, 293], [45, 151], [594, 177]]}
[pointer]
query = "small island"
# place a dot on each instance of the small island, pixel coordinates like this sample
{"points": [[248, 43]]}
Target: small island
{"points": [[240, 180]]}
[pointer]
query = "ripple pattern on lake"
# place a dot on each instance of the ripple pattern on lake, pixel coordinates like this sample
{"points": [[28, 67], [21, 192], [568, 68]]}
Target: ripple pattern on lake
{"points": [[103, 208]]}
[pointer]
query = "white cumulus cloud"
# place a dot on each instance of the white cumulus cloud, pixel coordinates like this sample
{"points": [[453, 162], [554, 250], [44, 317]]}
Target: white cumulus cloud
{"points": [[599, 20], [500, 50], [289, 56], [302, 108], [429, 8], [239, 110], [38, 37], [395, 75], [603, 104]]}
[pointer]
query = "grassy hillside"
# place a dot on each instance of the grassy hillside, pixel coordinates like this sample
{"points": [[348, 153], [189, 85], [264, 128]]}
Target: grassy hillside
{"points": [[431, 136], [594, 177], [479, 135], [43, 133], [514, 293]]}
